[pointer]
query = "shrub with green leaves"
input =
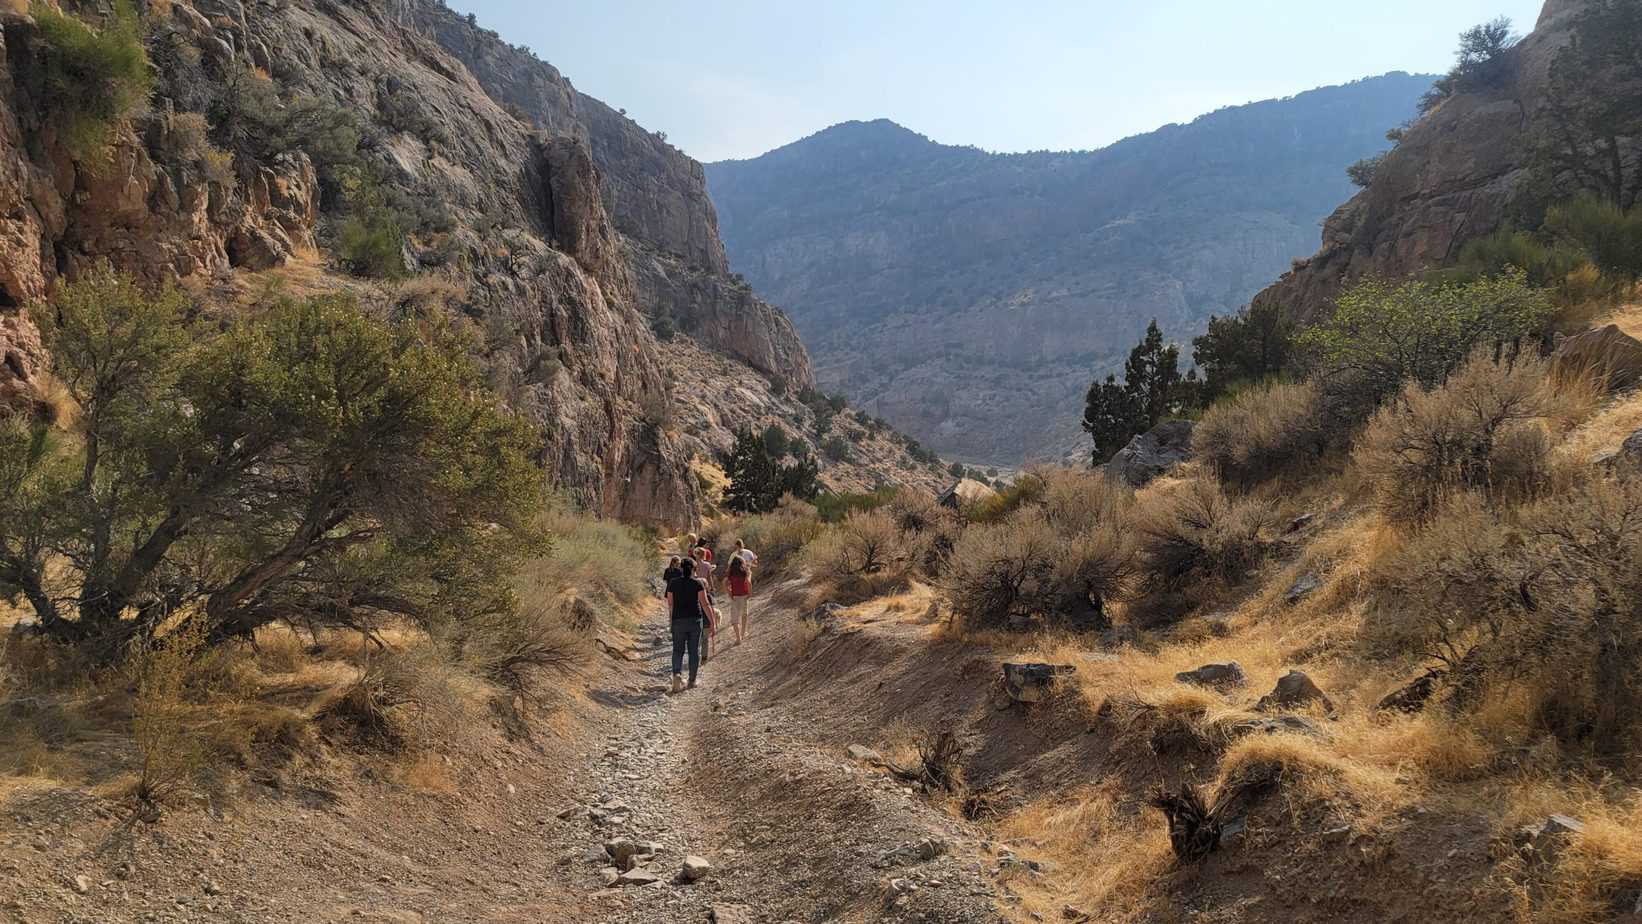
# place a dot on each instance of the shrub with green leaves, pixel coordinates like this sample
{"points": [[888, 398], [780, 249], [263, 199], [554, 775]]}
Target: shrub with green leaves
{"points": [[1384, 333], [88, 80], [1609, 235], [311, 461]]}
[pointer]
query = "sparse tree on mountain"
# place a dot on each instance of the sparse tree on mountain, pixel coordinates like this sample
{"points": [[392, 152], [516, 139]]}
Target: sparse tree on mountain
{"points": [[1480, 62], [1152, 389], [758, 481], [1249, 346]]}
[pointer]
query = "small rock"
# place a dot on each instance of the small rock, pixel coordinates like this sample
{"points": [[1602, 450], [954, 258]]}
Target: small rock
{"points": [[1031, 683], [1294, 690], [82, 884], [1233, 832], [865, 755], [694, 869], [623, 852], [1229, 674], [1301, 522], [901, 886], [1276, 724], [730, 914], [638, 877], [610, 875], [918, 852], [211, 888], [1302, 588]]}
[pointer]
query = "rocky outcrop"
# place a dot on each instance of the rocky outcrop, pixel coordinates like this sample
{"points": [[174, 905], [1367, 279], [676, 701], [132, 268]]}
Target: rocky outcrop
{"points": [[536, 203], [1607, 354], [1449, 181], [655, 195], [21, 362], [712, 395], [1152, 454], [723, 315]]}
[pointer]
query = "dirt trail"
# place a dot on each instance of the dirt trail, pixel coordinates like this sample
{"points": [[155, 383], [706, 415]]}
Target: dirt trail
{"points": [[794, 830]]}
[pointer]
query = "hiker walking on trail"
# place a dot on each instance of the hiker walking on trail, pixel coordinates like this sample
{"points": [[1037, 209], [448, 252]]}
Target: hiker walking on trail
{"points": [[705, 547], [745, 554], [739, 576], [703, 569], [672, 570], [691, 612]]}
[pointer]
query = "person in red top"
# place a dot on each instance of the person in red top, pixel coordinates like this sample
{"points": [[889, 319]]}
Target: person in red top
{"points": [[740, 580]]}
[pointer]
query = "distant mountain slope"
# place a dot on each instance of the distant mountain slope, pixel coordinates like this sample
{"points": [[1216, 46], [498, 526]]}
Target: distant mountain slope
{"points": [[970, 297]]}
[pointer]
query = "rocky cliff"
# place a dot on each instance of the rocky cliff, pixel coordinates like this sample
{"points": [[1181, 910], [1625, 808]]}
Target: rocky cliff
{"points": [[1450, 180], [970, 297], [561, 229]]}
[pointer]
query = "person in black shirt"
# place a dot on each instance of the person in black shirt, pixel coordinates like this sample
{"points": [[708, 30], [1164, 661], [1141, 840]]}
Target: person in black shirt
{"points": [[672, 571], [689, 608]]}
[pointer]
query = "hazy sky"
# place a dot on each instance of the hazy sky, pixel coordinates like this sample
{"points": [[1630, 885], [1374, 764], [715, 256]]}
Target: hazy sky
{"points": [[735, 78]]}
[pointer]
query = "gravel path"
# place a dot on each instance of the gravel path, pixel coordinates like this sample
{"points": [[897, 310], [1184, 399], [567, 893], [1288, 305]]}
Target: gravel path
{"points": [[792, 831]]}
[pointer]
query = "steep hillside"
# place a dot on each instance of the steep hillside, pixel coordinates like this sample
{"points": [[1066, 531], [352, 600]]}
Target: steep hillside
{"points": [[970, 297], [295, 137], [1450, 180]]}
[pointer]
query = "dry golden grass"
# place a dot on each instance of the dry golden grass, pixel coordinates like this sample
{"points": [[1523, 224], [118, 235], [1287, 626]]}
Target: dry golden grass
{"points": [[1108, 857], [1604, 430], [1628, 318]]}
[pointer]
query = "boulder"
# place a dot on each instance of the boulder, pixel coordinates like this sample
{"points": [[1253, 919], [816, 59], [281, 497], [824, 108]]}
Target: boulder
{"points": [[1031, 683], [1152, 454], [694, 869], [1630, 453], [1294, 690], [1606, 352], [1229, 674]]}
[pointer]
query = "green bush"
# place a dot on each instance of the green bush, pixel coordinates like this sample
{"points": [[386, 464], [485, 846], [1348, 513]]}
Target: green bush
{"points": [[837, 449], [1027, 489], [1261, 432], [1250, 346], [372, 244], [309, 459], [834, 507], [1383, 334], [1609, 235], [88, 80]]}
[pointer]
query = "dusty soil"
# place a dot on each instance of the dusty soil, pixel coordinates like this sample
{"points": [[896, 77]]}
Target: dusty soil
{"points": [[793, 829]]}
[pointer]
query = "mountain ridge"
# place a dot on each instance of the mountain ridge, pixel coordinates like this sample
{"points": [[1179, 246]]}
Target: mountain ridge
{"points": [[896, 255]]}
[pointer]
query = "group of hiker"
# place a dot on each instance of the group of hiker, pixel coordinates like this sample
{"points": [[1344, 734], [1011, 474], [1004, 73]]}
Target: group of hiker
{"points": [[691, 601]]}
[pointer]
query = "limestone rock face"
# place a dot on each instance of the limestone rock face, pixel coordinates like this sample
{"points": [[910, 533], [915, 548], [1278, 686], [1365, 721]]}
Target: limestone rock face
{"points": [[540, 204], [1449, 181], [21, 362]]}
